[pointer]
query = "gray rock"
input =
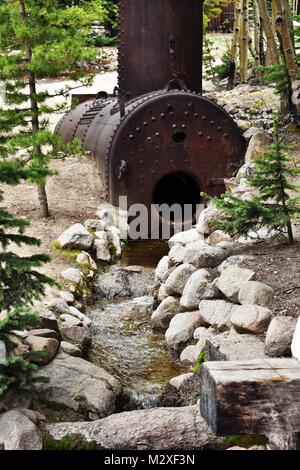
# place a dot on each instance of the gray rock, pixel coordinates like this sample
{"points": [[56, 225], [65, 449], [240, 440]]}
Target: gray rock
{"points": [[76, 237], [101, 245], [245, 172], [257, 145], [67, 296], [153, 429], [216, 313], [113, 234], [179, 380], [191, 353], [73, 275], [48, 346], [178, 279], [207, 217], [79, 335], [119, 282], [236, 260], [47, 320], [162, 269], [195, 289], [253, 292], [164, 313], [84, 259], [231, 279], [2, 352], [183, 238], [250, 132], [231, 346], [218, 236], [279, 336], [83, 318], [251, 318], [58, 306], [70, 320], [79, 385], [17, 432], [70, 349], [94, 225], [209, 256], [34, 416], [176, 254], [162, 294], [44, 333], [181, 329], [212, 292]]}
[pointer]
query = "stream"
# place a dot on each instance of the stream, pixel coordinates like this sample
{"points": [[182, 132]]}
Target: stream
{"points": [[123, 342]]}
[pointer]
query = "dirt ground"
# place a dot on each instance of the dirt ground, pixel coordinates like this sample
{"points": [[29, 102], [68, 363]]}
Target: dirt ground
{"points": [[73, 194]]}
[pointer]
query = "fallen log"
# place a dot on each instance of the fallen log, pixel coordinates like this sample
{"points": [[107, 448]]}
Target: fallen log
{"points": [[153, 429]]}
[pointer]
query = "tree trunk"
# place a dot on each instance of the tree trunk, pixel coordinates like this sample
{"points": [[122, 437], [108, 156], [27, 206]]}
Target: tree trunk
{"points": [[272, 46], [35, 125], [256, 33], [283, 22], [244, 37], [234, 45]]}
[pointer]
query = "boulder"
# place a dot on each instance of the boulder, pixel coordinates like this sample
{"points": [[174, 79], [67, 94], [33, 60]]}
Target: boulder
{"points": [[191, 353], [76, 237], [235, 260], [231, 346], [231, 279], [67, 296], [162, 316], [70, 349], [205, 222], [101, 245], [207, 256], [183, 238], [176, 254], [79, 385], [47, 346], [253, 292], [245, 172], [70, 320], [113, 234], [73, 275], [151, 429], [121, 282], [218, 236], [279, 336], [83, 318], [94, 225], [85, 260], [162, 294], [212, 291], [58, 306], [44, 333], [79, 335], [47, 320], [216, 313], [18, 432], [178, 279], [251, 318], [2, 352], [179, 380], [181, 329], [195, 289], [162, 269], [250, 132], [257, 145]]}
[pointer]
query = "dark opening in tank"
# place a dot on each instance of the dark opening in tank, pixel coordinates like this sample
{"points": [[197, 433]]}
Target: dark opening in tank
{"points": [[178, 188], [179, 137]]}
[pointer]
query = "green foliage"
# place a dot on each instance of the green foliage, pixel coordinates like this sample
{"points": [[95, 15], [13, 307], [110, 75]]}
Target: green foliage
{"points": [[246, 440], [200, 359], [100, 41], [274, 206], [276, 76], [212, 71], [74, 442]]}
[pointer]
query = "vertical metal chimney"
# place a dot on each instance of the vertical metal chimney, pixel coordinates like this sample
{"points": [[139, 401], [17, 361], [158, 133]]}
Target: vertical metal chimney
{"points": [[159, 41]]}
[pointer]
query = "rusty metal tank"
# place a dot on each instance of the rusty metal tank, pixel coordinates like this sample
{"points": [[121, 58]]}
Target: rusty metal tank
{"points": [[158, 142]]}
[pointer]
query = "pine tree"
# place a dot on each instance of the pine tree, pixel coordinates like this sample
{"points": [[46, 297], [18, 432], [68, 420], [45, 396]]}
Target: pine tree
{"points": [[40, 39], [274, 206], [20, 284]]}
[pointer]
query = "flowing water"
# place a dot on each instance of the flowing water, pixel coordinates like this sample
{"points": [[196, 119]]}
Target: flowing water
{"points": [[123, 341]]}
